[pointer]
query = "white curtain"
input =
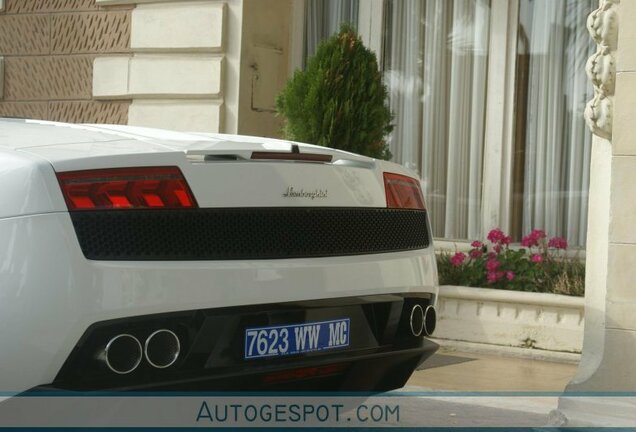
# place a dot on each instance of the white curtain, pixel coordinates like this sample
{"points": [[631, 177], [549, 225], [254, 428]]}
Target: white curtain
{"points": [[436, 69], [323, 18], [557, 148]]}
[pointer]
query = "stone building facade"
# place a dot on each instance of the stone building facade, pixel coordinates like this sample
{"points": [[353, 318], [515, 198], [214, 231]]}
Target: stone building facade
{"points": [[169, 64], [48, 49]]}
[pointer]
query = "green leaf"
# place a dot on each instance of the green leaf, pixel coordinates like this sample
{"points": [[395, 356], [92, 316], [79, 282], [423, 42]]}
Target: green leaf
{"points": [[339, 100]]}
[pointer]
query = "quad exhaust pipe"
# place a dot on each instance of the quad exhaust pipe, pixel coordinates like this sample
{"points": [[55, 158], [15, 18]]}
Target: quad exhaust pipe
{"points": [[124, 353], [422, 320], [162, 349]]}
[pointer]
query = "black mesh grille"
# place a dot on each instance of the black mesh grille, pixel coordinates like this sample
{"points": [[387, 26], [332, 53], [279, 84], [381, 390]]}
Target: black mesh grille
{"points": [[247, 233]]}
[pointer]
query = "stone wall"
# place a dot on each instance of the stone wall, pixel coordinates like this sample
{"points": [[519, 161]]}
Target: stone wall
{"points": [[546, 322], [48, 48], [175, 71], [190, 65], [265, 58], [608, 361]]}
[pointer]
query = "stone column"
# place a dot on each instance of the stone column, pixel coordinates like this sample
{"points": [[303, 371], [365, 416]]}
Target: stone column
{"points": [[608, 363]]}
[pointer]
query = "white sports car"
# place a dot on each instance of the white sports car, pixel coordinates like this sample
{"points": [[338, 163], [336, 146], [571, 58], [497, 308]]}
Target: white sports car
{"points": [[141, 259]]}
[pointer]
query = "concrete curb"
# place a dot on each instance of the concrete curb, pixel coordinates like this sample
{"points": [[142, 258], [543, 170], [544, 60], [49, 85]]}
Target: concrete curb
{"points": [[508, 351], [545, 322]]}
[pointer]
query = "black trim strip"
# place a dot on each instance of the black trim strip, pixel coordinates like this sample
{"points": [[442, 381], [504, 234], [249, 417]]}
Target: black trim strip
{"points": [[248, 233]]}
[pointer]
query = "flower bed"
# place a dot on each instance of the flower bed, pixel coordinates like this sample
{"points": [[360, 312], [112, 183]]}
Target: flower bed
{"points": [[514, 319], [541, 264]]}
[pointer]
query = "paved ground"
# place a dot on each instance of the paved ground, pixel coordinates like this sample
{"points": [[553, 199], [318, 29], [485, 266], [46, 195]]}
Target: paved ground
{"points": [[469, 372], [457, 372]]}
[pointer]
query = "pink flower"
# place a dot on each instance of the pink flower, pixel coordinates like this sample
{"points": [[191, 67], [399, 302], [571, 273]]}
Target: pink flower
{"points": [[496, 235], [497, 248], [558, 243], [533, 238], [510, 275], [491, 277], [506, 240], [492, 265], [458, 259], [536, 258], [477, 244], [476, 253], [539, 234]]}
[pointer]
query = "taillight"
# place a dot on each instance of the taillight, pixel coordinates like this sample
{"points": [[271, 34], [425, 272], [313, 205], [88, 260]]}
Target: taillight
{"points": [[126, 188], [403, 192]]}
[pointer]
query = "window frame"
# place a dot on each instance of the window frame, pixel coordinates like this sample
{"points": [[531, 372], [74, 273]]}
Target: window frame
{"points": [[497, 193]]}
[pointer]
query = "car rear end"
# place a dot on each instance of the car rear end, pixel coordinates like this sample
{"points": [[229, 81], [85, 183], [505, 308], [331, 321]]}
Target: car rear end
{"points": [[148, 260]]}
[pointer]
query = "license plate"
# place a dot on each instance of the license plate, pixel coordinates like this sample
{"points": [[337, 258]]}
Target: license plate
{"points": [[296, 338]]}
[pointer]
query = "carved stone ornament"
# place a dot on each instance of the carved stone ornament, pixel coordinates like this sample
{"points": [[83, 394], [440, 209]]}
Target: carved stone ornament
{"points": [[601, 67], [598, 115], [603, 24], [601, 70]]}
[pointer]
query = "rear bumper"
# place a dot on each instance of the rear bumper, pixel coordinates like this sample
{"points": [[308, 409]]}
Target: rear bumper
{"points": [[381, 356], [52, 294], [362, 373]]}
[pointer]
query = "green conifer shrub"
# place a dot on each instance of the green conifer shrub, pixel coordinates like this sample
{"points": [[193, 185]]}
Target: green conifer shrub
{"points": [[339, 101]]}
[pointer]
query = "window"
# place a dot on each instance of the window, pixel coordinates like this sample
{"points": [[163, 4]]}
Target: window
{"points": [[323, 18], [488, 98], [436, 68], [552, 143]]}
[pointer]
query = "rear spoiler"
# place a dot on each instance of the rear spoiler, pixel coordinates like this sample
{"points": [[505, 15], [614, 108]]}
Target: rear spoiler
{"points": [[227, 151]]}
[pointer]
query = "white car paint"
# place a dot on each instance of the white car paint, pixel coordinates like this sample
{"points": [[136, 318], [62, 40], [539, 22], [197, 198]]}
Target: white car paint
{"points": [[50, 293]]}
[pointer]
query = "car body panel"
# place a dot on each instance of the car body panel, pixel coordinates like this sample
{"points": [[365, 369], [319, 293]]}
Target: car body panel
{"points": [[351, 181], [27, 186], [50, 293], [63, 293]]}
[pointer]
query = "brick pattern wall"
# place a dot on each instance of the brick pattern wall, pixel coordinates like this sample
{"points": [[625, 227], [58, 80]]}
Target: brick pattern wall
{"points": [[49, 47]]}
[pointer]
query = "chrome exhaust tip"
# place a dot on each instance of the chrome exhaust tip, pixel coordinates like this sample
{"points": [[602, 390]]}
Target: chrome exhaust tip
{"points": [[430, 320], [162, 348], [122, 354], [416, 320]]}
